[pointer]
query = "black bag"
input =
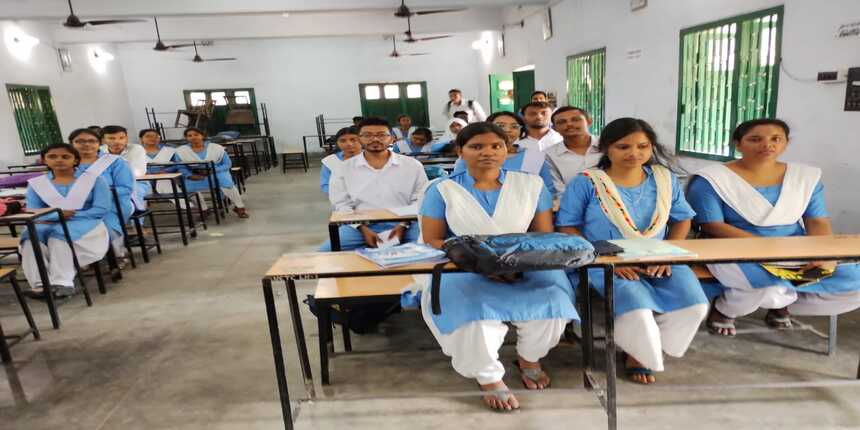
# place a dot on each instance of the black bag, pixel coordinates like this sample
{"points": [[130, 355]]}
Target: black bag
{"points": [[507, 255], [361, 319], [10, 207]]}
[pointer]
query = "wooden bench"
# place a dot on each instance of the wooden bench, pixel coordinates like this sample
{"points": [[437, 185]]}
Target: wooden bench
{"points": [[8, 274]]}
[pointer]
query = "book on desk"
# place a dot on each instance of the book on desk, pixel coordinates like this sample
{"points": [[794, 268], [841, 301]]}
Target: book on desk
{"points": [[641, 249], [402, 255]]}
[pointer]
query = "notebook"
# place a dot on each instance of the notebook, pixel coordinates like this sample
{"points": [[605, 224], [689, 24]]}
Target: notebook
{"points": [[402, 255], [640, 249]]}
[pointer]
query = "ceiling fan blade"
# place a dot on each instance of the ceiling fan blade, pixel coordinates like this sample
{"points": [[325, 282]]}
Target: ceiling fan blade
{"points": [[424, 39], [113, 21], [417, 53], [220, 59], [181, 45], [428, 12]]}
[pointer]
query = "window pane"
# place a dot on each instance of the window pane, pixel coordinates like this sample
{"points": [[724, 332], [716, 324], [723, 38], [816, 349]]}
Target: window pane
{"points": [[392, 92], [371, 92], [585, 74], [220, 98], [35, 118], [413, 91], [242, 97], [198, 99]]}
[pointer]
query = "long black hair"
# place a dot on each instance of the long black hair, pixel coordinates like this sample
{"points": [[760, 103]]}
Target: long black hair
{"points": [[623, 127], [519, 120], [478, 128], [745, 127], [61, 145]]}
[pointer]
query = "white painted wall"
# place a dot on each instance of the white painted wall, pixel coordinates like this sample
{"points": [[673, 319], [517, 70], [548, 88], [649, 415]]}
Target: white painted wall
{"points": [[299, 78], [822, 134], [82, 97]]}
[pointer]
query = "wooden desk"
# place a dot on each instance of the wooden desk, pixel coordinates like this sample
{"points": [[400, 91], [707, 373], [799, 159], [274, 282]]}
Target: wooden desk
{"points": [[29, 220], [180, 193], [438, 160], [211, 179], [292, 267], [368, 216]]}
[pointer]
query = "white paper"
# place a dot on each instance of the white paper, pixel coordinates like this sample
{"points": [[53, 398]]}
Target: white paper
{"points": [[406, 210], [386, 242]]}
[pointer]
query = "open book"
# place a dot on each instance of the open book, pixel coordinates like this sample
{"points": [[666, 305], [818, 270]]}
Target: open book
{"points": [[402, 255], [638, 249]]}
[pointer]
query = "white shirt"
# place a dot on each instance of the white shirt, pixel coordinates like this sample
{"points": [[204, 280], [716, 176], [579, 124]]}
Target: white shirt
{"points": [[565, 164], [357, 185], [476, 112], [136, 157], [550, 139]]}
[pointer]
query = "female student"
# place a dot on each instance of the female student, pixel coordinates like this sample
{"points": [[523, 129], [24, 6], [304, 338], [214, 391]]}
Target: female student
{"points": [[349, 145], [150, 140], [85, 200], [418, 142], [198, 149], [488, 199], [759, 195], [523, 160], [445, 144], [404, 127], [115, 141], [116, 174], [630, 195]]}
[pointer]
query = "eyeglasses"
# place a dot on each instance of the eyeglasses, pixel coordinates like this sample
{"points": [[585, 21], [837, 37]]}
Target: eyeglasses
{"points": [[508, 126], [378, 136]]}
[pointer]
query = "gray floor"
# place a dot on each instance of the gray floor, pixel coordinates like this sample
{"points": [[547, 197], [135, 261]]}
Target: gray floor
{"points": [[182, 343]]}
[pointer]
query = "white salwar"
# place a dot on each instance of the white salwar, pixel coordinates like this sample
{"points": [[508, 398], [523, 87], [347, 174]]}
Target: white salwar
{"points": [[214, 153], [474, 347]]}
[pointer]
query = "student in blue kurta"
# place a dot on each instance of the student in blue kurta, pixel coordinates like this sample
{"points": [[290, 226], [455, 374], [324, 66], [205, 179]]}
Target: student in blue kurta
{"points": [[519, 159], [85, 200], [419, 142], [632, 194], [759, 195], [488, 199], [349, 146], [150, 140], [198, 150], [117, 174]]}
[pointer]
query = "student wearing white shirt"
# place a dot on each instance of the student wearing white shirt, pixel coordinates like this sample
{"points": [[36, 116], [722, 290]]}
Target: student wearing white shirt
{"points": [[456, 103], [114, 140], [405, 129], [538, 133], [349, 146], [577, 152], [376, 179]]}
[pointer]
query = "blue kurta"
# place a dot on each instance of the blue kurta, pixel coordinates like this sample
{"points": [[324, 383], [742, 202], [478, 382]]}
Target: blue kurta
{"points": [[468, 297], [97, 207], [325, 175], [222, 172], [711, 208], [161, 169], [413, 149], [580, 208], [515, 162], [119, 177]]}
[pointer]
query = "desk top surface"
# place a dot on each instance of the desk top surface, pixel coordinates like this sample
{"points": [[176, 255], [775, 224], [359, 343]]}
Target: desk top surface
{"points": [[369, 215], [5, 272], [154, 176], [25, 216], [361, 287], [437, 160], [342, 264]]}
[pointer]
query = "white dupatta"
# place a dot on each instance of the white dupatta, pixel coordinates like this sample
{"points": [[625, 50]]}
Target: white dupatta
{"points": [[615, 210], [214, 152], [164, 155], [797, 188], [76, 197]]}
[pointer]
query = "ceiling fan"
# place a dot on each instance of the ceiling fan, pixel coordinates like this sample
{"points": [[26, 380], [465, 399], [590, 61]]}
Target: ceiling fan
{"points": [[199, 59], [404, 12], [410, 39], [74, 22], [395, 54], [160, 46]]}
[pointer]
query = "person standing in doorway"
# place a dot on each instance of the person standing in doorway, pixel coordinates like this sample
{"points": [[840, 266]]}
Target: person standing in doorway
{"points": [[456, 103]]}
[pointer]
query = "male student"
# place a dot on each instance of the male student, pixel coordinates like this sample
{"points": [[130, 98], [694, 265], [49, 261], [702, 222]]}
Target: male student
{"points": [[456, 103], [376, 179], [577, 152], [114, 139], [539, 96], [538, 133]]}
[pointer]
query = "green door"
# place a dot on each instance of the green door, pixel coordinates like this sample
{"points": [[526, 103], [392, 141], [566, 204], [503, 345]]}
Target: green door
{"points": [[389, 100], [524, 86], [501, 93]]}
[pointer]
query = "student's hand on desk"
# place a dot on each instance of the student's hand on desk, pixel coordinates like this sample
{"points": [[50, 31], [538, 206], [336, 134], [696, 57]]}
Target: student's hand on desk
{"points": [[399, 232], [827, 266], [370, 237], [660, 271], [628, 273]]}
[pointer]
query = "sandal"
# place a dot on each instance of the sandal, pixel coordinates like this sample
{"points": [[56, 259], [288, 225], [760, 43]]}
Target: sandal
{"points": [[778, 319], [634, 371], [532, 374], [241, 212], [715, 326], [501, 394]]}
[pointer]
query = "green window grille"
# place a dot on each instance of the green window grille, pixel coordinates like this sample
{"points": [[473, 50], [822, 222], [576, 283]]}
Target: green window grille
{"points": [[729, 73], [34, 116], [585, 75]]}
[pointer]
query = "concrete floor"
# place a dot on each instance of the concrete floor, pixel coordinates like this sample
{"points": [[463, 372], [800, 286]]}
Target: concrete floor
{"points": [[182, 343]]}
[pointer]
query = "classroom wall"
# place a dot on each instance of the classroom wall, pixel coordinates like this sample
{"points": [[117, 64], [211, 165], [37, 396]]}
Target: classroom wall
{"points": [[298, 78], [82, 97], [822, 134]]}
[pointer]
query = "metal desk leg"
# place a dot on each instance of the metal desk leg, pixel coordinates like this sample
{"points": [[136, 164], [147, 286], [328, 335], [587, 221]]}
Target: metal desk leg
{"points": [[43, 273], [213, 192], [587, 329], [324, 322], [832, 333], [256, 157], [334, 236], [26, 308], [77, 264], [278, 354], [178, 208], [611, 405], [301, 344], [5, 354]]}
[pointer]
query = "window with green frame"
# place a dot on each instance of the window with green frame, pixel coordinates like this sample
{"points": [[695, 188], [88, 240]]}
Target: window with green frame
{"points": [[34, 114], [585, 74], [728, 74]]}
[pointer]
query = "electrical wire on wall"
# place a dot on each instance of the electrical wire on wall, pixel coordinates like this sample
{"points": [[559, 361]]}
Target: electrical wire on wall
{"points": [[792, 76]]}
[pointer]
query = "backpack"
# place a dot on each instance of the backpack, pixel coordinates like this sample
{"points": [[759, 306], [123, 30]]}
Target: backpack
{"points": [[508, 255], [10, 207]]}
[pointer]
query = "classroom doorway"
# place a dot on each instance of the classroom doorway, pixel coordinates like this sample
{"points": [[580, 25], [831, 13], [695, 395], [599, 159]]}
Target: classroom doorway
{"points": [[390, 99], [524, 86], [235, 109], [501, 93]]}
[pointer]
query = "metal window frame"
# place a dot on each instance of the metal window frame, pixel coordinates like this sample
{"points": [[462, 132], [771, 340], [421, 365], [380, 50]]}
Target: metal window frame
{"points": [[53, 120], [596, 126]]}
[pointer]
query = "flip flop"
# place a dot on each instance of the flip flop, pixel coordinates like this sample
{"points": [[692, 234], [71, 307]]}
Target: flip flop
{"points": [[631, 371], [715, 326], [777, 321], [501, 394], [533, 375]]}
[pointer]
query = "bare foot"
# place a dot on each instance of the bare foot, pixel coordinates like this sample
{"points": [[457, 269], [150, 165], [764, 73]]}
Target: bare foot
{"points": [[533, 377], [640, 377], [499, 398]]}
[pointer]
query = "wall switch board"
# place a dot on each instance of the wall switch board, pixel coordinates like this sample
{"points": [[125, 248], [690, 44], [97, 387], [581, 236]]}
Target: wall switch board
{"points": [[852, 90]]}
